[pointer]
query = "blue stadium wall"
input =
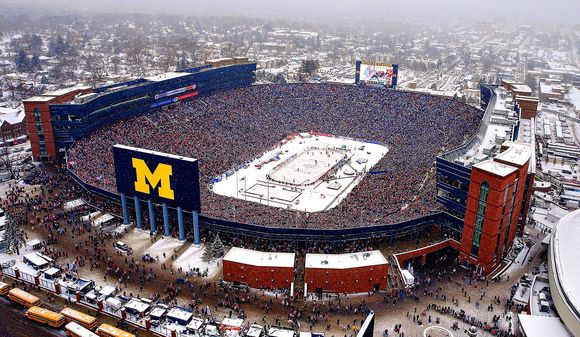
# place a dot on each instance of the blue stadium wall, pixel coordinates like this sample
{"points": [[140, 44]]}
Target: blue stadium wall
{"points": [[453, 177], [74, 121], [411, 227]]}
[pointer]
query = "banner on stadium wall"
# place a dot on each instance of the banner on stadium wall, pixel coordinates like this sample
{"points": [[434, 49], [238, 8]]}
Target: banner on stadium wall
{"points": [[172, 100], [161, 177], [175, 91], [385, 74]]}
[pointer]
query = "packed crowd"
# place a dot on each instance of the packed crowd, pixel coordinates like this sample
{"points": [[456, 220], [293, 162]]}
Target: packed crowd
{"points": [[234, 127]]}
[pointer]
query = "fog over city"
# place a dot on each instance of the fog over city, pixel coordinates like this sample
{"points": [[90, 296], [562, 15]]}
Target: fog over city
{"points": [[364, 12]]}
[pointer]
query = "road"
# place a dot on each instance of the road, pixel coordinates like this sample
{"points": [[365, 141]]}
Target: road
{"points": [[14, 324]]}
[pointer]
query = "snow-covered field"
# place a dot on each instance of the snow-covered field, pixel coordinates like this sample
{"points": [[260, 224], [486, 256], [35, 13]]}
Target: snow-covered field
{"points": [[165, 245], [305, 172], [191, 259]]}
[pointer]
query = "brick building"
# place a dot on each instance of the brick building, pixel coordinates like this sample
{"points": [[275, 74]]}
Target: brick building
{"points": [[12, 126], [265, 270], [39, 120], [346, 273], [494, 204]]}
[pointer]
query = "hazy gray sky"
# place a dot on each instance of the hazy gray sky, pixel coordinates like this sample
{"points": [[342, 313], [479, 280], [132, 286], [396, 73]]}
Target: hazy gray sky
{"points": [[426, 11]]}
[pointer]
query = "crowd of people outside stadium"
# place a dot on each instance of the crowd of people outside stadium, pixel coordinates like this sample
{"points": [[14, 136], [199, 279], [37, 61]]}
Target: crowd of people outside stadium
{"points": [[229, 128], [77, 245]]}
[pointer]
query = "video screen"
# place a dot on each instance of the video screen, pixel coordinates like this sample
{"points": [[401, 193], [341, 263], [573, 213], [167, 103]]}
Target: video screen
{"points": [[378, 73]]}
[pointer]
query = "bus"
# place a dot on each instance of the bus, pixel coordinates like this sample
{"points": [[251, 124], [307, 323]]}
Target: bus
{"points": [[4, 288], [23, 298], [106, 330], [45, 316], [86, 321], [73, 329]]}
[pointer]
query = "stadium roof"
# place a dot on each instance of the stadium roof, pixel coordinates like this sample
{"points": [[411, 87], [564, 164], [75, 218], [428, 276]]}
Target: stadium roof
{"points": [[166, 76], [260, 259], [541, 326], [565, 263], [345, 261]]}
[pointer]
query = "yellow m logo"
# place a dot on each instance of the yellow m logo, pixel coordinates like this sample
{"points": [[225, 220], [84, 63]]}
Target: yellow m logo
{"points": [[147, 180]]}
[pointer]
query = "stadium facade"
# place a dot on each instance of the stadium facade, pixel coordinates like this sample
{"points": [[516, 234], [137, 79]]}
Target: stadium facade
{"points": [[485, 200], [55, 119], [563, 272], [488, 181]]}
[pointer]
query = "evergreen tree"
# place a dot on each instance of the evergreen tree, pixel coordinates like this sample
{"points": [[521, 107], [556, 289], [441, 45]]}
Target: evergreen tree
{"points": [[22, 62], [14, 236], [35, 44], [35, 63], [309, 67], [217, 248], [207, 254], [58, 46]]}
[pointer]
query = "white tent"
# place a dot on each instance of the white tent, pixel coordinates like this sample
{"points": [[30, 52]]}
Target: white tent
{"points": [[407, 277]]}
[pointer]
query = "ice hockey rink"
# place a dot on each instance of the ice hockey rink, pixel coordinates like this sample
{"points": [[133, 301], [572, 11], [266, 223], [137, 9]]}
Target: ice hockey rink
{"points": [[307, 172]]}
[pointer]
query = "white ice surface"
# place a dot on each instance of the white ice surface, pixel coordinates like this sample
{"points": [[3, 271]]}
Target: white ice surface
{"points": [[289, 175]]}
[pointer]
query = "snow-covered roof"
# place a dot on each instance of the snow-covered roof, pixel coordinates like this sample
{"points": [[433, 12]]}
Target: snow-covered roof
{"points": [[495, 168], [137, 305], [260, 259], [35, 259], [179, 314], [280, 332], [517, 153], [566, 264], [11, 116], [232, 321], [195, 323], [165, 76], [541, 326], [345, 261], [107, 290]]}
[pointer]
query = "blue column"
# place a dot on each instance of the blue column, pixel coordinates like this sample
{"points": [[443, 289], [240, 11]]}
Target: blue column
{"points": [[125, 211], [166, 220], [152, 216], [138, 222], [180, 223], [196, 239]]}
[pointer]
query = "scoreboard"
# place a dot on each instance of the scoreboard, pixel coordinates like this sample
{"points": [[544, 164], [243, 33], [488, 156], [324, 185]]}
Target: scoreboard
{"points": [[383, 74]]}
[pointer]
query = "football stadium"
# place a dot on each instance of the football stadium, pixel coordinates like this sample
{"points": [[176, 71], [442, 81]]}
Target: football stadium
{"points": [[301, 162]]}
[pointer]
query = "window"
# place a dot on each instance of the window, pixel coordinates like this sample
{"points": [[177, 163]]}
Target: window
{"points": [[478, 228], [499, 232], [509, 222], [36, 115]]}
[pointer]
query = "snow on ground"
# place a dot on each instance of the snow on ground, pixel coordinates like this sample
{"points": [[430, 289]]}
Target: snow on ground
{"points": [[73, 204], [306, 172], [138, 240], [165, 245], [191, 259]]}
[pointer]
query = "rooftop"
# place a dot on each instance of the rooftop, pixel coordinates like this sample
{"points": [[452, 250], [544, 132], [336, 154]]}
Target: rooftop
{"points": [[518, 153], [564, 248], [345, 261], [493, 167], [260, 259], [541, 326], [166, 76]]}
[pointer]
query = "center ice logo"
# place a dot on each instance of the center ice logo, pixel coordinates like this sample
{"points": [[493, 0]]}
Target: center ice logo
{"points": [[146, 179]]}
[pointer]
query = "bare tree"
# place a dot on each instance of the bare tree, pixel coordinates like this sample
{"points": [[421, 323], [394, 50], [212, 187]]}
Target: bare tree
{"points": [[7, 163]]}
